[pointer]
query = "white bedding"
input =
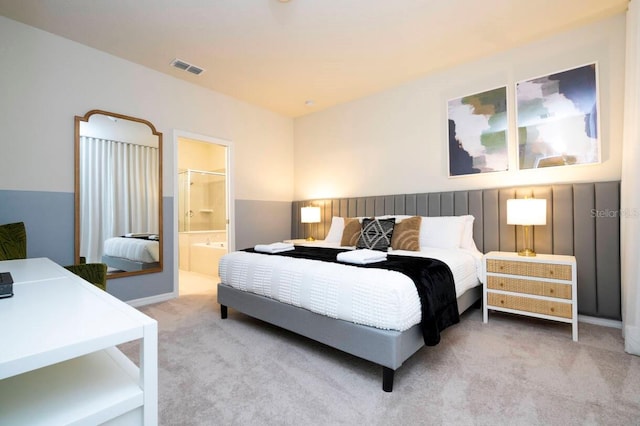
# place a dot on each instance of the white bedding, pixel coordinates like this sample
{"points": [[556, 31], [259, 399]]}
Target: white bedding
{"points": [[136, 249], [374, 297]]}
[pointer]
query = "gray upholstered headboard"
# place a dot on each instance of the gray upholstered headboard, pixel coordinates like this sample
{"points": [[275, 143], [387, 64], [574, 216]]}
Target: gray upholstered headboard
{"points": [[583, 220]]}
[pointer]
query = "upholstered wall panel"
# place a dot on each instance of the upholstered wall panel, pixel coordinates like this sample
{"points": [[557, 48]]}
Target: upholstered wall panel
{"points": [[582, 220], [507, 233], [584, 247], [608, 248], [476, 210], [562, 222]]}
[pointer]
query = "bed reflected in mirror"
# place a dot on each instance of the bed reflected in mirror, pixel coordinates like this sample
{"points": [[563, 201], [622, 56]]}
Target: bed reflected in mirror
{"points": [[118, 193]]}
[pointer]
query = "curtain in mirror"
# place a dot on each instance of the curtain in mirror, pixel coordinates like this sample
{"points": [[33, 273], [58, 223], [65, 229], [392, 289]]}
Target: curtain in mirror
{"points": [[119, 192]]}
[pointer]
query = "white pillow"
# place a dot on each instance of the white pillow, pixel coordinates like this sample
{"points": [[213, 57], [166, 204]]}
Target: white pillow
{"points": [[467, 235], [335, 231], [442, 231], [438, 231], [398, 217]]}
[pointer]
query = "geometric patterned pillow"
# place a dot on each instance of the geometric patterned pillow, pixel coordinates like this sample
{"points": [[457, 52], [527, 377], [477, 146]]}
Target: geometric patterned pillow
{"points": [[376, 234], [406, 234]]}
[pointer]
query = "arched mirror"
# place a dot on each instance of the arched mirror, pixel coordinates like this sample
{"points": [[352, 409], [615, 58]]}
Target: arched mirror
{"points": [[118, 193]]}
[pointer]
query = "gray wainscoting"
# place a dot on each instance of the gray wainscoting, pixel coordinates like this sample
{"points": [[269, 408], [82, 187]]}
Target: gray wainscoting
{"points": [[583, 220], [261, 222], [48, 219]]}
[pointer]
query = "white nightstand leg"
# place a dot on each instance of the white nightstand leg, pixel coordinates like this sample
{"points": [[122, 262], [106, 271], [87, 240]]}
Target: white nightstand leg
{"points": [[485, 311]]}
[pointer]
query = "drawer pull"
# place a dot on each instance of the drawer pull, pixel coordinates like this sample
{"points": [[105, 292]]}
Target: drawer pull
{"points": [[552, 309], [501, 284], [551, 290]]}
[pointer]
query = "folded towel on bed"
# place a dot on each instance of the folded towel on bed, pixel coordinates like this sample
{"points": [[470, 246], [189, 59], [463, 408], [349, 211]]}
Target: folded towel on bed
{"points": [[273, 247], [362, 256]]}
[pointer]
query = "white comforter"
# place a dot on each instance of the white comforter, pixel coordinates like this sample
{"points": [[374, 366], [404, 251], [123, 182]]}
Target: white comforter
{"points": [[136, 249], [374, 297]]}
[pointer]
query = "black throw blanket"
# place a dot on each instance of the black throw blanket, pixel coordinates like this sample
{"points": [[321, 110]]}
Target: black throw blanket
{"points": [[432, 278]]}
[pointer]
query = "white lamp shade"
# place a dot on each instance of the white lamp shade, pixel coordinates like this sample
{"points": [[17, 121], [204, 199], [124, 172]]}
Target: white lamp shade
{"points": [[310, 215], [527, 211]]}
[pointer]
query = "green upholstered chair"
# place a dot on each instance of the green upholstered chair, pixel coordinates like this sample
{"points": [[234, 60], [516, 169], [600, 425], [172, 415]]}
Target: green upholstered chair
{"points": [[95, 273], [13, 241], [13, 245]]}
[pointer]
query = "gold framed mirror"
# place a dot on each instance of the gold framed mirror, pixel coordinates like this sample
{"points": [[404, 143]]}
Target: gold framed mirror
{"points": [[118, 193]]}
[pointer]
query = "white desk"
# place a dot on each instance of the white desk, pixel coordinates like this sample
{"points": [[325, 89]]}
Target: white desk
{"points": [[58, 360]]}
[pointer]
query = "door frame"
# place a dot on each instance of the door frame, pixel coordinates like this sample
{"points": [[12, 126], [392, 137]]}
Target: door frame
{"points": [[231, 235]]}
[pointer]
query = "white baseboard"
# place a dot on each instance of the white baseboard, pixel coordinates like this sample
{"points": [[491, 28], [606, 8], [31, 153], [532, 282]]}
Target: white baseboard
{"points": [[600, 321], [136, 303]]}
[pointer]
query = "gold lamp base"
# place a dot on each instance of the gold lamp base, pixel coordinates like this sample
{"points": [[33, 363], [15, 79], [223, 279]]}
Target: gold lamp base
{"points": [[310, 239], [527, 242], [527, 252]]}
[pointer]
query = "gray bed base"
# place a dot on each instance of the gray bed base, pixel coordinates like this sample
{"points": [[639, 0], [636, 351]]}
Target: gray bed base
{"points": [[128, 265], [387, 348]]}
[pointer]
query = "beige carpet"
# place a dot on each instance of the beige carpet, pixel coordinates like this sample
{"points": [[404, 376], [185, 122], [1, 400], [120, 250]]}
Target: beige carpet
{"points": [[511, 371]]}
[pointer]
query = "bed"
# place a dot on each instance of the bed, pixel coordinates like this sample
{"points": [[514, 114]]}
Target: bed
{"points": [[264, 286], [133, 252]]}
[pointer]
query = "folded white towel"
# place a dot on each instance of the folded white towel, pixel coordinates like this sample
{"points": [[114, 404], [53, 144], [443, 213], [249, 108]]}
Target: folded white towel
{"points": [[362, 256], [273, 247]]}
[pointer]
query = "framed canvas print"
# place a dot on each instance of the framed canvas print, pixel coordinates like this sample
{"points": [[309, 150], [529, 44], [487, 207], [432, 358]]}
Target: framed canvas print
{"points": [[557, 119], [478, 133]]}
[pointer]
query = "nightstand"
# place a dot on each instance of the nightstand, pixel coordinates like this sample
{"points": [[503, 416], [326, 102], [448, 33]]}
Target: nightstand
{"points": [[542, 286], [299, 241]]}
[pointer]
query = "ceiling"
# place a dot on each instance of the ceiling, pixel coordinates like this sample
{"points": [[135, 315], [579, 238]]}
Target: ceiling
{"points": [[279, 55]]}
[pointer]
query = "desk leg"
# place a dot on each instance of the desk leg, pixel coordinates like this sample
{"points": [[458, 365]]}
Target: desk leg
{"points": [[149, 373]]}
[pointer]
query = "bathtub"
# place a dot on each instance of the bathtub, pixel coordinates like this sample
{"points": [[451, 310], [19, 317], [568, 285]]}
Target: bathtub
{"points": [[204, 257]]}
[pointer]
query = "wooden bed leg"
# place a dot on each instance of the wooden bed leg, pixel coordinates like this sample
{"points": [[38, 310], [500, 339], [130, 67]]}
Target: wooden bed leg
{"points": [[387, 379], [223, 311]]}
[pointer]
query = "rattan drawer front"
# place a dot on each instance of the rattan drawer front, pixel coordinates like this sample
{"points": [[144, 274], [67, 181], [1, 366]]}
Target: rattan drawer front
{"points": [[530, 269], [528, 304], [540, 288]]}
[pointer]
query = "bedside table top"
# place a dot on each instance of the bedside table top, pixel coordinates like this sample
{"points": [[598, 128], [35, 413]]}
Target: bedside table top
{"points": [[304, 242], [547, 258]]}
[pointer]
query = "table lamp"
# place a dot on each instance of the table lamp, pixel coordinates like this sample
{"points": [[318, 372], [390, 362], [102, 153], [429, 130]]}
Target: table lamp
{"points": [[310, 215], [527, 212]]}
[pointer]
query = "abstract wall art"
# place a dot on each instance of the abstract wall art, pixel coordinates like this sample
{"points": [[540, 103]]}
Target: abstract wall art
{"points": [[557, 119], [478, 127]]}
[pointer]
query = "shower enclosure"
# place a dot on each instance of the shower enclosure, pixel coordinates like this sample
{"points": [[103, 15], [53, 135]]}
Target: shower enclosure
{"points": [[202, 220], [202, 204]]}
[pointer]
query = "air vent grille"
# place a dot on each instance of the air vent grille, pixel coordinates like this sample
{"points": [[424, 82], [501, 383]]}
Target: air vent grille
{"points": [[185, 66], [195, 70]]}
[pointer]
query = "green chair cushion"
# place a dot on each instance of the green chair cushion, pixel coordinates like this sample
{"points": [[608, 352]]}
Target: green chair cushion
{"points": [[95, 273], [13, 241]]}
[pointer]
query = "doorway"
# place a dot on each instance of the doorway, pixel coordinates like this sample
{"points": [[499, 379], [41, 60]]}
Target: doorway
{"points": [[203, 211]]}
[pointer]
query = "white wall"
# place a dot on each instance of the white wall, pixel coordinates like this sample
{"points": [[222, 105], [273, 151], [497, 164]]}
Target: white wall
{"points": [[46, 80], [396, 141]]}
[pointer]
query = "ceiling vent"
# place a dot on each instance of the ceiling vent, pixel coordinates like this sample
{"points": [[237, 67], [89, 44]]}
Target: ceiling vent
{"points": [[185, 66]]}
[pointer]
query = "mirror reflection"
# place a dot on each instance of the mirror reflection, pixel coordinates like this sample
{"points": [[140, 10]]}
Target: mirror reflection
{"points": [[118, 193]]}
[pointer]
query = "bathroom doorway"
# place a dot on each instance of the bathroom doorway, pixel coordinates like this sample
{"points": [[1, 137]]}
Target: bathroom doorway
{"points": [[203, 211]]}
